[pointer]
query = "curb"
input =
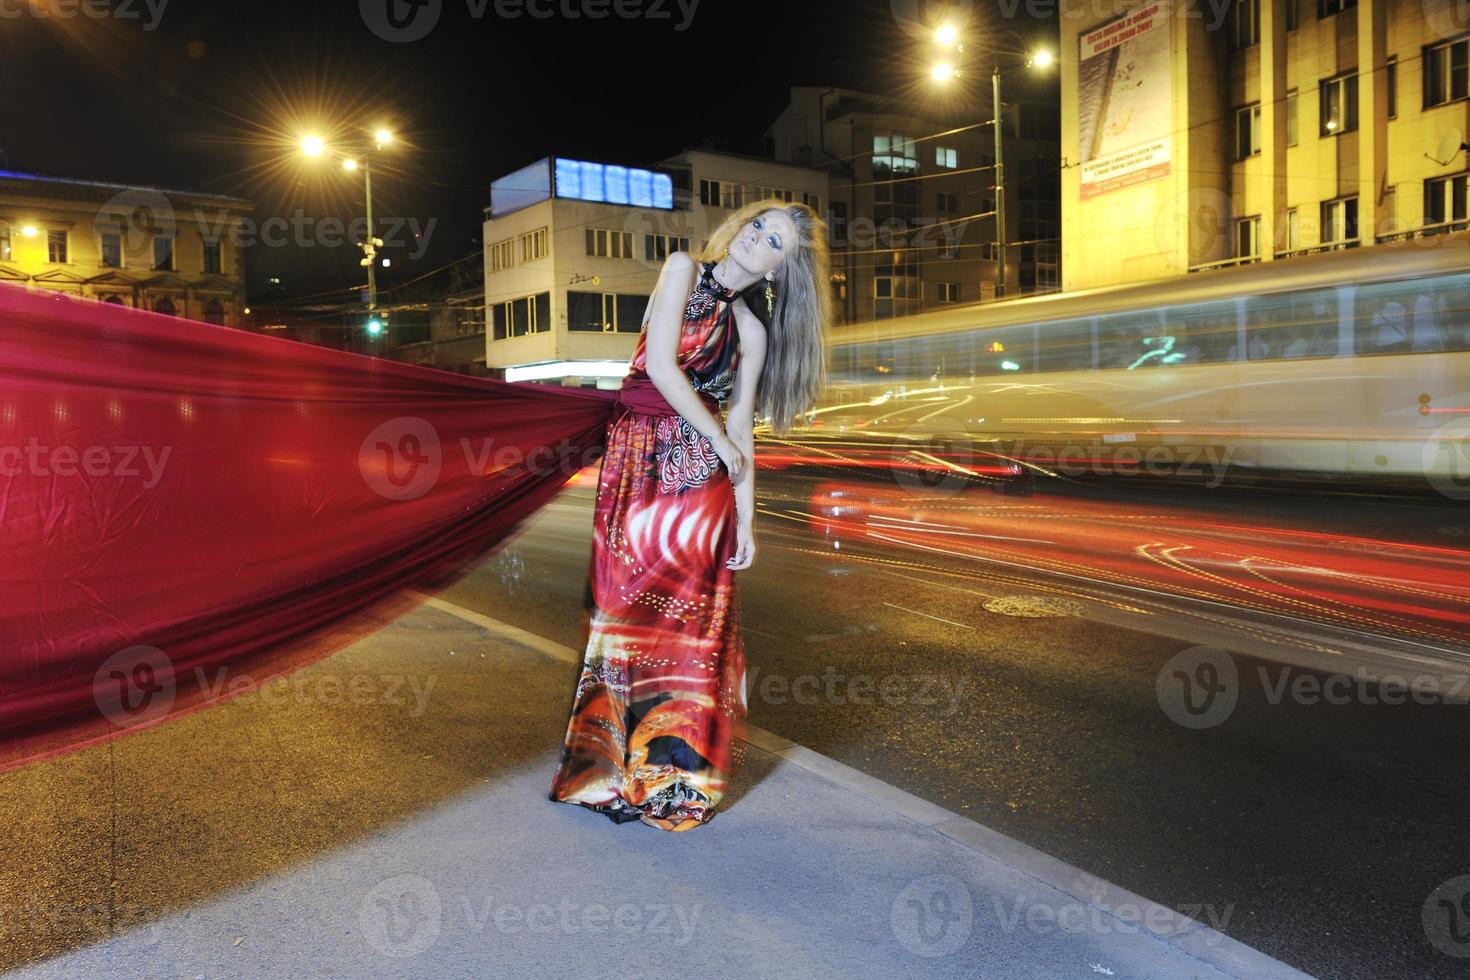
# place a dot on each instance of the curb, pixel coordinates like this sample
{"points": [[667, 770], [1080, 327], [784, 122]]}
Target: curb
{"points": [[1203, 942]]}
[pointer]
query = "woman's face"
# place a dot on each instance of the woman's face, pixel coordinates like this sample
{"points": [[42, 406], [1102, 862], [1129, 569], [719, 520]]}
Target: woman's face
{"points": [[764, 242]]}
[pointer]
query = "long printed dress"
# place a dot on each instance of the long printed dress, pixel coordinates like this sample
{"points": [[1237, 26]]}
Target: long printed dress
{"points": [[657, 721]]}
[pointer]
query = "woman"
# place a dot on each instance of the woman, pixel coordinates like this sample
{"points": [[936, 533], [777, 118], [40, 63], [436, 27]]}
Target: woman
{"points": [[656, 729]]}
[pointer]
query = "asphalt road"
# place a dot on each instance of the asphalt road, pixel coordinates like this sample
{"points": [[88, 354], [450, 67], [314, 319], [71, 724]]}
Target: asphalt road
{"points": [[1301, 815]]}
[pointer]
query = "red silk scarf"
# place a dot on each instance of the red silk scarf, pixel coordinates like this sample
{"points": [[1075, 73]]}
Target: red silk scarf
{"points": [[189, 509]]}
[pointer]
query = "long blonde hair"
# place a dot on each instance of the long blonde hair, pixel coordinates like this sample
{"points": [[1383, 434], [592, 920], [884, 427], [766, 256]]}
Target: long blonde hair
{"points": [[795, 371]]}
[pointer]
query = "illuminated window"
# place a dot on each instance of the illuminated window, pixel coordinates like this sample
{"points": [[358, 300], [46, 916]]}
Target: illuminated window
{"points": [[947, 157], [588, 181], [894, 153], [1339, 99]]}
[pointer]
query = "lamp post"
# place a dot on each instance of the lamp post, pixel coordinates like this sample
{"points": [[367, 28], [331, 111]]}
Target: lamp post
{"points": [[946, 36], [313, 146]]}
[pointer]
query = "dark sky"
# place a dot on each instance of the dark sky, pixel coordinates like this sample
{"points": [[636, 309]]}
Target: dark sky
{"points": [[211, 95]]}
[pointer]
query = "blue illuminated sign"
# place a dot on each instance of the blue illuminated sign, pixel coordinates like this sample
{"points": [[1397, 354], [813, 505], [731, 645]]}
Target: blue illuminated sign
{"points": [[587, 181]]}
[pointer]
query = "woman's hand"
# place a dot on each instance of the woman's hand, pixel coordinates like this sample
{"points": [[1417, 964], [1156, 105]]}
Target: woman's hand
{"points": [[733, 458], [744, 547]]}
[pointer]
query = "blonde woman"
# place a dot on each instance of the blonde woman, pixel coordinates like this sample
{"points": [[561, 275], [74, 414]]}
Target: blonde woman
{"points": [[657, 722]]}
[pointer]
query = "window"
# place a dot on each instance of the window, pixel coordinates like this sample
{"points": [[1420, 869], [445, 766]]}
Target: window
{"points": [[946, 157], [501, 256], [656, 248], [1291, 14], [4, 242], [897, 288], [1247, 131], [721, 193], [947, 202], [1326, 8], [1340, 220], [1339, 97], [812, 200], [761, 193], [1293, 230], [1291, 118], [533, 245], [163, 253], [522, 316], [214, 311], [1391, 85], [166, 306], [1444, 199], [1245, 16], [894, 154], [1248, 237], [1446, 72], [56, 245], [110, 247], [211, 259], [949, 292], [605, 312], [609, 244]]}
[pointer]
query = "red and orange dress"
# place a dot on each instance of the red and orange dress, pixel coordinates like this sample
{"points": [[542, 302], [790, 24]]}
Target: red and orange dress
{"points": [[657, 721]]}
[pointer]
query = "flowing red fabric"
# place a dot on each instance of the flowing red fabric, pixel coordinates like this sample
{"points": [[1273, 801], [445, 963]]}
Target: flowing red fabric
{"points": [[190, 509]]}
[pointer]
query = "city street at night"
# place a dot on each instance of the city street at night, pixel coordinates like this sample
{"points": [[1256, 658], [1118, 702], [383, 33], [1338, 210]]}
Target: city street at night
{"points": [[661, 488]]}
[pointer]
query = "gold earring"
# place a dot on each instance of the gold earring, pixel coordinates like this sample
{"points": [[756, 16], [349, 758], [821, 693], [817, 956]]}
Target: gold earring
{"points": [[770, 300]]}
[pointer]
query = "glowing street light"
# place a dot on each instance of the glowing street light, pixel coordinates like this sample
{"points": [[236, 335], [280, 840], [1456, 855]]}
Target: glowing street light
{"points": [[349, 165], [942, 72], [946, 35], [313, 146], [383, 137]]}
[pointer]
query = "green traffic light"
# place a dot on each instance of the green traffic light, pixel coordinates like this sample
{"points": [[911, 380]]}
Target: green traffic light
{"points": [[374, 326]]}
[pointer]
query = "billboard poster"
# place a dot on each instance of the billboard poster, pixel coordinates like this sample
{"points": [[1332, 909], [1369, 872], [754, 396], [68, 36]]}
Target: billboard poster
{"points": [[1125, 99]]}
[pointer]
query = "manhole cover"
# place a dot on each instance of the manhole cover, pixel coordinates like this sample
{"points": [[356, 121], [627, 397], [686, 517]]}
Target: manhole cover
{"points": [[1034, 606]]}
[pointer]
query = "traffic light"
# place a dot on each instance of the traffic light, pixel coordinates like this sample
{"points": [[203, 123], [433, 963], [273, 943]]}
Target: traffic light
{"points": [[374, 326]]}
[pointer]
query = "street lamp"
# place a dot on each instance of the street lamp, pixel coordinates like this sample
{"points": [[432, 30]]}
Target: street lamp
{"points": [[314, 146], [945, 37]]}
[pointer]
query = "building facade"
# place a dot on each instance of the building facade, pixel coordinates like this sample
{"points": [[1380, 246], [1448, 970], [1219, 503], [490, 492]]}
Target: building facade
{"points": [[172, 252], [573, 250], [913, 202], [1273, 129]]}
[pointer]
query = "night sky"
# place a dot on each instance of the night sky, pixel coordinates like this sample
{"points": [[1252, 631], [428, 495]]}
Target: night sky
{"points": [[216, 94]]}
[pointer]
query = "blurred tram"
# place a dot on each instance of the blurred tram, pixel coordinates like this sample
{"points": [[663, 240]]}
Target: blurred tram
{"points": [[1338, 364]]}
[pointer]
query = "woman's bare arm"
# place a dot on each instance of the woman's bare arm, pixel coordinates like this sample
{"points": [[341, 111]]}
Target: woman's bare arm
{"points": [[740, 422]]}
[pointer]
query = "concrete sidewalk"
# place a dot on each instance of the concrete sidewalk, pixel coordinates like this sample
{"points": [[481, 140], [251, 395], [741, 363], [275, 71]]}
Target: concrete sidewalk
{"points": [[409, 834]]}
